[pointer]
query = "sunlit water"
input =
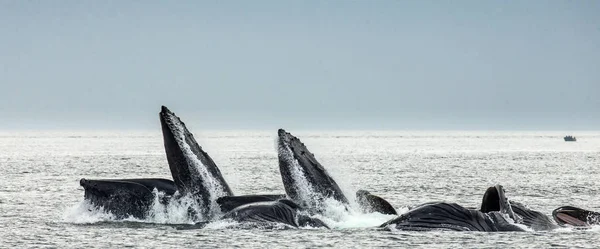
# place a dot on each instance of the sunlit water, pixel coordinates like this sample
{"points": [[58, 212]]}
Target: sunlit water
{"points": [[41, 200]]}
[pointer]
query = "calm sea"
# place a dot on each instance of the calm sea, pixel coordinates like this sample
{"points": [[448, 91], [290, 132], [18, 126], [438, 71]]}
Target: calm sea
{"points": [[41, 200]]}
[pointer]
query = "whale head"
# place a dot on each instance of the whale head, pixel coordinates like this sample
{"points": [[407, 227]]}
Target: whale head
{"points": [[305, 180], [193, 170]]}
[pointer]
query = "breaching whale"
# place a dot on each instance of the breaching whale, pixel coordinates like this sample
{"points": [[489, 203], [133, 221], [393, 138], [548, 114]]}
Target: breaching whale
{"points": [[451, 216], [194, 174], [307, 182], [197, 176], [577, 217]]}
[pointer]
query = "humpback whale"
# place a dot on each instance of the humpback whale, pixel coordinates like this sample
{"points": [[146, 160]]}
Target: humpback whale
{"points": [[281, 211], [451, 216], [491, 216], [305, 180], [574, 216], [308, 183], [194, 174]]}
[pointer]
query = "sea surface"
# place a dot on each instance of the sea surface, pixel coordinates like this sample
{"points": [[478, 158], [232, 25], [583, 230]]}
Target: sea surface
{"points": [[41, 202]]}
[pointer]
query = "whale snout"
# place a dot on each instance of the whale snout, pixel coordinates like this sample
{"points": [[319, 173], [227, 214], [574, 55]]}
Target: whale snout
{"points": [[284, 137]]}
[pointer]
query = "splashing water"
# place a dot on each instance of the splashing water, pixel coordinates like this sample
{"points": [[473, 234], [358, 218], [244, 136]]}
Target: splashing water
{"points": [[340, 216], [336, 215], [86, 213], [175, 212]]}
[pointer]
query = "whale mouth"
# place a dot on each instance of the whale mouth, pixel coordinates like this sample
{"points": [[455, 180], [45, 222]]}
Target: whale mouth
{"points": [[566, 219], [494, 200], [573, 216]]}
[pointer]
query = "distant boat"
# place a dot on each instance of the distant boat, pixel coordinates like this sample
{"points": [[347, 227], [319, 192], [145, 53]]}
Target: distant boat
{"points": [[570, 139]]}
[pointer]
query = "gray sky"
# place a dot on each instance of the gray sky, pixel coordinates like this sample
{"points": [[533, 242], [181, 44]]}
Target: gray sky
{"points": [[301, 64]]}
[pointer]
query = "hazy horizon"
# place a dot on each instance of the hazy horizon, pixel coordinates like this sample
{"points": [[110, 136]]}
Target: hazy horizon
{"points": [[385, 65]]}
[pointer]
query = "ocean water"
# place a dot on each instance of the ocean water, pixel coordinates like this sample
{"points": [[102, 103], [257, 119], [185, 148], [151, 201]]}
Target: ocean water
{"points": [[41, 202]]}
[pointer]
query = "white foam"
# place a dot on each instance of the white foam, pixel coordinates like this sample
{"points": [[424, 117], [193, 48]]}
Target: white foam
{"points": [[569, 229], [85, 213], [175, 212], [338, 215], [231, 224], [595, 228]]}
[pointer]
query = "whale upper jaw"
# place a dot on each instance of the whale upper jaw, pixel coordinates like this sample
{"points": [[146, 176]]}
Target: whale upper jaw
{"points": [[193, 170], [305, 180]]}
